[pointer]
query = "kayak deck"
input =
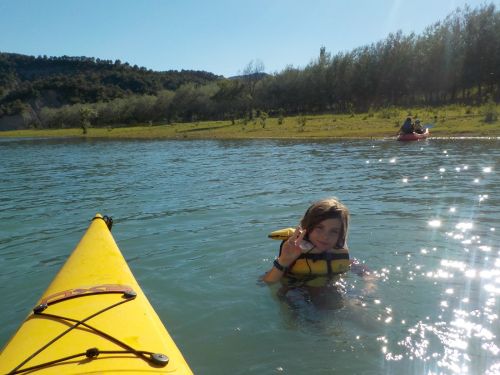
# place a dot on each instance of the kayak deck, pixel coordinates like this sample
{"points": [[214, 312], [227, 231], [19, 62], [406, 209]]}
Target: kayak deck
{"points": [[93, 318]]}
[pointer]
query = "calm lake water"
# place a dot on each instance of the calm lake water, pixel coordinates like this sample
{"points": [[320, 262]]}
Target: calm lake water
{"points": [[192, 219]]}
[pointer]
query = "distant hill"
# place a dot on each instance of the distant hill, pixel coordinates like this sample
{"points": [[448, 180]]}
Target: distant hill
{"points": [[29, 83]]}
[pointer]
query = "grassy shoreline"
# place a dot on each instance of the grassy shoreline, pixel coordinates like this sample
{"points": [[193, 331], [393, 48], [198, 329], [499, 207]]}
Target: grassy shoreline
{"points": [[450, 121]]}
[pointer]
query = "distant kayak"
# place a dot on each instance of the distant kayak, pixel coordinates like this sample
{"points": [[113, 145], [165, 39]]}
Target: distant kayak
{"points": [[413, 136], [93, 319]]}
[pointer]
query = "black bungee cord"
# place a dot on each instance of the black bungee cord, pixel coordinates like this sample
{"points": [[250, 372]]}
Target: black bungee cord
{"points": [[156, 359]]}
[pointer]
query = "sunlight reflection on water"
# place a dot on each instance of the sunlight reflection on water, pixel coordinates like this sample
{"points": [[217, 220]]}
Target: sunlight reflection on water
{"points": [[462, 336], [466, 329]]}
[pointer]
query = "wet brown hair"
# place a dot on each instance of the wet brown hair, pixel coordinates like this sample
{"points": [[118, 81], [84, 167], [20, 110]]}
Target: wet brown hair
{"points": [[329, 208]]}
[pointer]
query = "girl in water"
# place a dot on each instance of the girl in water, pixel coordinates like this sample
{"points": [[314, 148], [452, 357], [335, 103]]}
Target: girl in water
{"points": [[318, 247], [311, 259]]}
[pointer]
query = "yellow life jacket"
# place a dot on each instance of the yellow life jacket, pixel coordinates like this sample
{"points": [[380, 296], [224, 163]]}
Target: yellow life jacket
{"points": [[326, 263], [321, 264]]}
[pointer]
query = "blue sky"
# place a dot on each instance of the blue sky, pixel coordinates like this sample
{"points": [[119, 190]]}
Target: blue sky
{"points": [[219, 36]]}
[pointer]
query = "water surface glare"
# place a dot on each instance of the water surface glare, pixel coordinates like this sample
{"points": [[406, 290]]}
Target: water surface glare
{"points": [[192, 218]]}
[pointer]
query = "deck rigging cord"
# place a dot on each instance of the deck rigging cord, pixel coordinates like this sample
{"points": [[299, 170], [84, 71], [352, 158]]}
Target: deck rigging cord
{"points": [[156, 359]]}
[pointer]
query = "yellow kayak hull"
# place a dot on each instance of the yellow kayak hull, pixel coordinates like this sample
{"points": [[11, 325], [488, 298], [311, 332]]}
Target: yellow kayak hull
{"points": [[115, 328]]}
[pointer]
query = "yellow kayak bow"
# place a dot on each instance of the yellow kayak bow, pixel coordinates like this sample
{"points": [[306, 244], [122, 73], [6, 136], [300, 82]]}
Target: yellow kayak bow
{"points": [[93, 319]]}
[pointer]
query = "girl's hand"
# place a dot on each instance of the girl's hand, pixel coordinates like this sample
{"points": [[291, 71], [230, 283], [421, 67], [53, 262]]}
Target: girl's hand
{"points": [[291, 249]]}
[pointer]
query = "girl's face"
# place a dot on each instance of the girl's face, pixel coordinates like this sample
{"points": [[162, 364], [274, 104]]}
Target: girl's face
{"points": [[325, 235]]}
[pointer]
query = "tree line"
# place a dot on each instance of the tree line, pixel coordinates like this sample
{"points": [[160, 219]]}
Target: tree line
{"points": [[456, 60], [29, 84]]}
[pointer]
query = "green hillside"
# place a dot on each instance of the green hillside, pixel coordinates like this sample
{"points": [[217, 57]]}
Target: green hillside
{"points": [[28, 83]]}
